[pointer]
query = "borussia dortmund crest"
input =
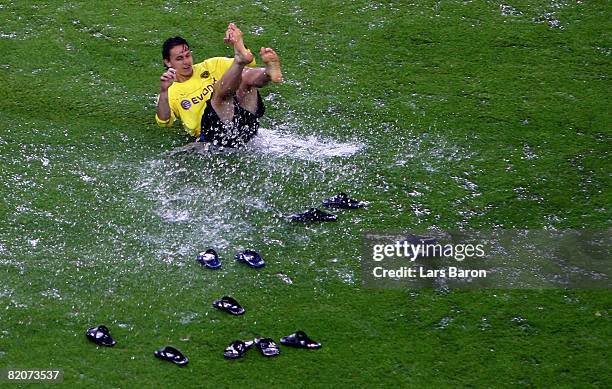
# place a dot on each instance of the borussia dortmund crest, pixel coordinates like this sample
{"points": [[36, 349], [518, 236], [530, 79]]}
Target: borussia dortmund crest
{"points": [[205, 74]]}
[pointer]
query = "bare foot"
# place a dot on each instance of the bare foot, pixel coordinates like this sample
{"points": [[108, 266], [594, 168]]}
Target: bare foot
{"points": [[233, 36], [273, 66]]}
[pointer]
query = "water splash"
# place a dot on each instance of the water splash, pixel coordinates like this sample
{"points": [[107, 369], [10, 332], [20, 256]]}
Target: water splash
{"points": [[311, 148], [281, 144]]}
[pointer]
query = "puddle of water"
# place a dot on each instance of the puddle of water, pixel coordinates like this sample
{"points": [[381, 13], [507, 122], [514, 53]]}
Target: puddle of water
{"points": [[51, 293], [550, 19], [188, 317], [6, 292], [346, 276], [257, 30], [484, 323], [444, 323], [285, 278], [508, 10], [524, 325]]}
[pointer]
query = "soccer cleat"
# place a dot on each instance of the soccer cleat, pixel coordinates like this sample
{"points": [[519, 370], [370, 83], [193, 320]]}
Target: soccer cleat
{"points": [[299, 339], [229, 305], [341, 200], [100, 335], [237, 348], [314, 215], [209, 259], [267, 347], [251, 258], [171, 354]]}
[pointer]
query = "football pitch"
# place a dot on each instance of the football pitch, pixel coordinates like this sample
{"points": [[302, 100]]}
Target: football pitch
{"points": [[443, 115]]}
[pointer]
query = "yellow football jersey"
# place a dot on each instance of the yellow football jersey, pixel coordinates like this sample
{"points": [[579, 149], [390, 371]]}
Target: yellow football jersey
{"points": [[188, 99]]}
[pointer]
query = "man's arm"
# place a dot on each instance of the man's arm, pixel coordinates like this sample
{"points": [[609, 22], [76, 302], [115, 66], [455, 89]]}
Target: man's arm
{"points": [[163, 105]]}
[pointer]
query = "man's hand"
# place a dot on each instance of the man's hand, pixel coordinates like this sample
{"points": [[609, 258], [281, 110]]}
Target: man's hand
{"points": [[167, 79], [163, 106]]}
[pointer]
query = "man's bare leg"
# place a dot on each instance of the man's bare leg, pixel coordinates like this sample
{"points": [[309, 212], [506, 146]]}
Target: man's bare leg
{"points": [[252, 79], [225, 89]]}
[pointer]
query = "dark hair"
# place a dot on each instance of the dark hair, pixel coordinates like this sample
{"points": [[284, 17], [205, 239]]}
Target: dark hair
{"points": [[170, 43]]}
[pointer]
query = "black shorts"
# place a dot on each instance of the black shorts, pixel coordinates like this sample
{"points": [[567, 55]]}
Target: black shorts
{"points": [[236, 133]]}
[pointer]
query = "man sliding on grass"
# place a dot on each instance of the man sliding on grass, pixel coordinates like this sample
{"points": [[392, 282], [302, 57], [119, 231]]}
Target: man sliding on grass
{"points": [[217, 100]]}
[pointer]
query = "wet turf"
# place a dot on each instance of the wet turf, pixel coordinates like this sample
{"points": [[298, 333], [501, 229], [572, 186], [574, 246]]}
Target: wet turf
{"points": [[449, 114]]}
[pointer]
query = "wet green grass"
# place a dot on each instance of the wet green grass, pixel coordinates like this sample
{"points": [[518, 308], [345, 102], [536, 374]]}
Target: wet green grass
{"points": [[497, 121]]}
